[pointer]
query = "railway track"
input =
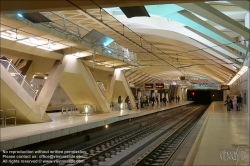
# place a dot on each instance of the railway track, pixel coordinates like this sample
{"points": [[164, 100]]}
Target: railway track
{"points": [[162, 154], [100, 153]]}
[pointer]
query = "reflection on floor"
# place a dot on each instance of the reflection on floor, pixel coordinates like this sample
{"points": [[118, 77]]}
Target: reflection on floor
{"points": [[223, 139], [16, 136]]}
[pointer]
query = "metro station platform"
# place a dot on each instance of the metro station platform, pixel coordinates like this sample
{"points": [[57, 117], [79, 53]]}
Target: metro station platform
{"points": [[223, 138], [17, 136]]}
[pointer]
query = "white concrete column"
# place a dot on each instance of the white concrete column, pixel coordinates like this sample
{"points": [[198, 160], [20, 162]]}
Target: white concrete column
{"points": [[247, 24], [51, 84], [248, 90], [110, 88]]}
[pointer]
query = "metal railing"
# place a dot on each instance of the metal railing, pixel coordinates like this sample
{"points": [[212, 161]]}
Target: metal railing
{"points": [[101, 87], [18, 77], [69, 107], [4, 116], [80, 31], [124, 52]]}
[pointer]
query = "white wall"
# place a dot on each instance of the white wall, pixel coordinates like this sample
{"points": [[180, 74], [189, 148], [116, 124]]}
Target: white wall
{"points": [[240, 86], [58, 99]]}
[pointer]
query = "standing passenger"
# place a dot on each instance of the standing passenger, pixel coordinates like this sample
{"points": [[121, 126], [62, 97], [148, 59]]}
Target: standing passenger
{"points": [[229, 102], [157, 99], [146, 101], [164, 100], [141, 100], [239, 100], [153, 101], [235, 103], [119, 102], [127, 100], [136, 102]]}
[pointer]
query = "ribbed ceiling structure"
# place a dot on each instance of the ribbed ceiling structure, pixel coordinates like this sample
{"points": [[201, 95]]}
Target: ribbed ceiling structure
{"points": [[200, 40]]}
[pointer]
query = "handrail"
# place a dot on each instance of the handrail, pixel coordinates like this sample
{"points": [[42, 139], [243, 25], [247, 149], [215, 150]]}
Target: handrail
{"points": [[19, 77], [67, 107]]}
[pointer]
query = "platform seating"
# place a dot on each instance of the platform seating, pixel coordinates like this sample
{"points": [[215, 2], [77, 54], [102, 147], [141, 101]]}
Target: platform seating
{"points": [[4, 116]]}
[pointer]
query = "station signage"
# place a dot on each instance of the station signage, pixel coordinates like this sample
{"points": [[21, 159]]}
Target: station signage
{"points": [[159, 85], [225, 87], [149, 85]]}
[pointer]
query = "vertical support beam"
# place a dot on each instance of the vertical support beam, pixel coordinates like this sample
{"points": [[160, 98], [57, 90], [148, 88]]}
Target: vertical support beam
{"points": [[110, 88], [28, 71], [51, 84], [94, 59], [248, 90], [119, 75]]}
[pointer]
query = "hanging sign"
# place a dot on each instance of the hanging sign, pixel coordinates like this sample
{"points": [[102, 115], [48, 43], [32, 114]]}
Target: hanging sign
{"points": [[149, 85], [159, 85], [225, 87]]}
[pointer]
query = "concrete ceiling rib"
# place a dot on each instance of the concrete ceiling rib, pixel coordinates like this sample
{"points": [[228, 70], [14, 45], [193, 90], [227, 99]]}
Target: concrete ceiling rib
{"points": [[212, 14], [198, 24], [242, 4]]}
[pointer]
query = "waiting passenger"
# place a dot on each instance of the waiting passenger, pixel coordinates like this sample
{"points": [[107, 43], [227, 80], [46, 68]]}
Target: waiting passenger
{"points": [[136, 102], [235, 103], [157, 99], [164, 100], [119, 102], [229, 103], [178, 98], [146, 101], [239, 100], [153, 101], [142, 101], [127, 100]]}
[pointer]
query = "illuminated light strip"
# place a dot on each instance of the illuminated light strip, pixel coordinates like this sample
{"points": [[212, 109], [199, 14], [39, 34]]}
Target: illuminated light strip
{"points": [[242, 71]]}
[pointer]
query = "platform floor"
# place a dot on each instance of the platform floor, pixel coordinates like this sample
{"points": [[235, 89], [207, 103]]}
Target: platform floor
{"points": [[17, 136], [223, 138]]}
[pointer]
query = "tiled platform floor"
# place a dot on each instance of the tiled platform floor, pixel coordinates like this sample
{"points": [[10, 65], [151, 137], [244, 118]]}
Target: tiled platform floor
{"points": [[223, 139], [17, 136]]}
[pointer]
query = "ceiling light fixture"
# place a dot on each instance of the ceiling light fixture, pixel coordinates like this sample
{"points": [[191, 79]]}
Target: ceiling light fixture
{"points": [[20, 15], [11, 32]]}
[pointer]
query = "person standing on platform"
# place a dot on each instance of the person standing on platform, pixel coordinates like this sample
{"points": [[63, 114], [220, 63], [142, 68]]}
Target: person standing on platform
{"points": [[153, 101], [239, 100], [146, 101], [136, 102], [164, 100], [172, 98], [229, 102], [157, 99], [141, 100], [127, 100], [178, 98], [235, 103], [119, 102]]}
